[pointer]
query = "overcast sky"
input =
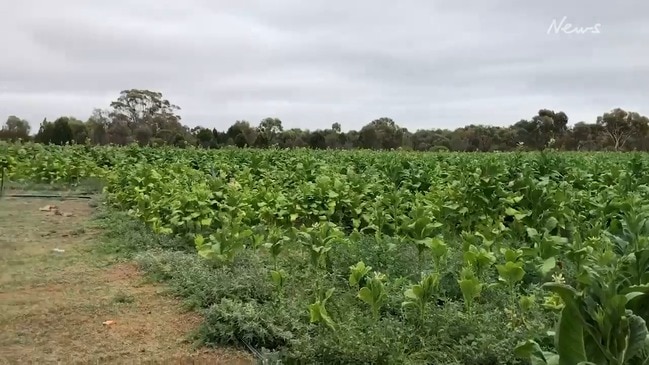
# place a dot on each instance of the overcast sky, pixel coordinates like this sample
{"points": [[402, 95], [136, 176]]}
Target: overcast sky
{"points": [[425, 64]]}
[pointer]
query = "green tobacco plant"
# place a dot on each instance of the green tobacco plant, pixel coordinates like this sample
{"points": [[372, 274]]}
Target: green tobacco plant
{"points": [[634, 224], [278, 276], [225, 242], [544, 250], [527, 303], [419, 295], [274, 243], [374, 293], [479, 258], [632, 276], [380, 221], [319, 240], [420, 227], [595, 327], [579, 256], [318, 311], [439, 250], [358, 273], [511, 273], [510, 254], [470, 286], [634, 268]]}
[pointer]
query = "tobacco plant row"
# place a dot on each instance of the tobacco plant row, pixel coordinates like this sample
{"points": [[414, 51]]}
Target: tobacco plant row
{"points": [[558, 236]]}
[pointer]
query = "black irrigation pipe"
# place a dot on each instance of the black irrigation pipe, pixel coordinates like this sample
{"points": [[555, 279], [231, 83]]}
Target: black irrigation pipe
{"points": [[49, 196], [254, 351]]}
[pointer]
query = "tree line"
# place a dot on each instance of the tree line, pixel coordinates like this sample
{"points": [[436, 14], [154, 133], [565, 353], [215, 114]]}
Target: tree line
{"points": [[146, 118]]}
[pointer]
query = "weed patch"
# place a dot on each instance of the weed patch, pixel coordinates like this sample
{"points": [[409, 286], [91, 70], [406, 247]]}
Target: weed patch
{"points": [[241, 306]]}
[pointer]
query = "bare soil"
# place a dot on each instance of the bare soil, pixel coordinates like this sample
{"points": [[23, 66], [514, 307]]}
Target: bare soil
{"points": [[55, 296]]}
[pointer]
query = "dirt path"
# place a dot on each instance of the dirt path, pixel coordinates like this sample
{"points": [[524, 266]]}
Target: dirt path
{"points": [[53, 304]]}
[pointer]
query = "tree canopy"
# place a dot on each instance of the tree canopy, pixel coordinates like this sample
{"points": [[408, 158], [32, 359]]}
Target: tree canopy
{"points": [[147, 118]]}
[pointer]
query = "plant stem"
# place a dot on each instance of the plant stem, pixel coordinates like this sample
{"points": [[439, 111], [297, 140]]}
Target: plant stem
{"points": [[422, 312]]}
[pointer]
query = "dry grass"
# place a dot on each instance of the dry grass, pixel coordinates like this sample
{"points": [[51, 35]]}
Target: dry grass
{"points": [[52, 304]]}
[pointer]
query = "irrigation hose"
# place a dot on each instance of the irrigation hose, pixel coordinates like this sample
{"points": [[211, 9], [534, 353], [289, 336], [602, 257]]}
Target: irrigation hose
{"points": [[254, 351], [49, 196]]}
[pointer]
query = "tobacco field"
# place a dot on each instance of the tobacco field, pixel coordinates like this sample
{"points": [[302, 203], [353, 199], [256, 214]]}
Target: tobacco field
{"points": [[358, 257]]}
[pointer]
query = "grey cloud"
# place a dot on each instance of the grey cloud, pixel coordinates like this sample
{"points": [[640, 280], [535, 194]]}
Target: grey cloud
{"points": [[426, 64]]}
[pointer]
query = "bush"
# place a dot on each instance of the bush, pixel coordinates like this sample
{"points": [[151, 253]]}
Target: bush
{"points": [[202, 284], [232, 321]]}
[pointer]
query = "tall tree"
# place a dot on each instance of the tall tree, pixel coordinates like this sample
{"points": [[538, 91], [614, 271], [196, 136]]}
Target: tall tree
{"points": [[382, 133], [204, 137], [293, 138], [527, 133], [15, 128], [242, 134], [144, 107], [269, 129], [62, 132], [58, 132], [119, 133], [545, 126], [17, 125], [317, 140], [479, 137], [44, 134], [620, 125], [584, 136], [550, 125], [143, 135], [97, 126], [79, 130]]}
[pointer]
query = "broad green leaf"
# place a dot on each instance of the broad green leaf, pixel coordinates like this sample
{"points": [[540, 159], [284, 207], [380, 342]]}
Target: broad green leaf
{"points": [[471, 288], [638, 336], [570, 332], [278, 277], [365, 294], [329, 293], [533, 233], [410, 294], [511, 211], [530, 350], [548, 265], [358, 272], [511, 272], [511, 254], [551, 223], [632, 295], [566, 292]]}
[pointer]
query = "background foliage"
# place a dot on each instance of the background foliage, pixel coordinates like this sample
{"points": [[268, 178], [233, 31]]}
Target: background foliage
{"points": [[146, 118]]}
